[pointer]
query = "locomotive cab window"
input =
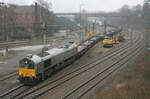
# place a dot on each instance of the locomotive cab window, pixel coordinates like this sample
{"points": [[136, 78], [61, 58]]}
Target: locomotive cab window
{"points": [[26, 63]]}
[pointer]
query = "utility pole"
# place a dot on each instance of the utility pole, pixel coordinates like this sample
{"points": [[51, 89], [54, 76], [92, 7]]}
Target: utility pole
{"points": [[36, 23], [105, 26], [86, 28], [93, 28], [89, 27], [68, 31], [44, 28], [44, 38], [94, 24], [81, 35], [6, 32]]}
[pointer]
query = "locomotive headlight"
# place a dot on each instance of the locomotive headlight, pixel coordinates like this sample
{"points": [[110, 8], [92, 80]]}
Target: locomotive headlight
{"points": [[33, 75], [20, 74]]}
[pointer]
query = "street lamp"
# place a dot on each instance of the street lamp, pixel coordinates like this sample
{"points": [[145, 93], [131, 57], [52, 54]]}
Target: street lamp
{"points": [[81, 5]]}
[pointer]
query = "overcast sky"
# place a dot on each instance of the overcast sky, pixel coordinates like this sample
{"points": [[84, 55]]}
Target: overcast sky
{"points": [[89, 5]]}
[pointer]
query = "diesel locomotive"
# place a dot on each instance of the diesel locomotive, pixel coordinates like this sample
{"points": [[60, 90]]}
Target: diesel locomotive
{"points": [[34, 68], [107, 42]]}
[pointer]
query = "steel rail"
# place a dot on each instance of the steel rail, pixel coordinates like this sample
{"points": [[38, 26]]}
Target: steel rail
{"points": [[26, 88], [18, 94], [11, 94], [7, 76], [11, 90], [100, 73], [57, 80], [78, 97], [63, 76]]}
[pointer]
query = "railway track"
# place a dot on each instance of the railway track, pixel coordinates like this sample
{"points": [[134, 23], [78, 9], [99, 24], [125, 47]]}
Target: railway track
{"points": [[18, 88], [15, 73], [69, 85], [11, 93], [97, 79], [11, 44], [34, 92], [7, 76]]}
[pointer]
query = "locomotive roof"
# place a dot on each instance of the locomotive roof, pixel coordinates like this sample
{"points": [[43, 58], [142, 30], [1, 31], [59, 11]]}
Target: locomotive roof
{"points": [[50, 53], [88, 42], [62, 49], [94, 38], [36, 59]]}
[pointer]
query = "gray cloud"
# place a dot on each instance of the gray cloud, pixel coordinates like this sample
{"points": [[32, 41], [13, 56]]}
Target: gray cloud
{"points": [[89, 5]]}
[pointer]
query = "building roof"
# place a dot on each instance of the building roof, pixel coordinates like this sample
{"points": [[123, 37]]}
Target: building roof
{"points": [[23, 9]]}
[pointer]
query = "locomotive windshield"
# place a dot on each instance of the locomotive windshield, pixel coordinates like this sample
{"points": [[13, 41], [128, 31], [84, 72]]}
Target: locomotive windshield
{"points": [[26, 63]]}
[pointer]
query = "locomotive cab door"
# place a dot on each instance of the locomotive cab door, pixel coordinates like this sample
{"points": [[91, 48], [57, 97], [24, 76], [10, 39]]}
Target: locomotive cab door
{"points": [[40, 69], [44, 68]]}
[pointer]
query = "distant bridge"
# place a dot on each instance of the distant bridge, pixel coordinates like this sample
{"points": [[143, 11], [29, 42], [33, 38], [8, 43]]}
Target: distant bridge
{"points": [[67, 13], [92, 14]]}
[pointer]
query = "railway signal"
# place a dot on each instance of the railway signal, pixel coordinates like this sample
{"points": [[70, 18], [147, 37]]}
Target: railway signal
{"points": [[90, 33], [43, 26]]}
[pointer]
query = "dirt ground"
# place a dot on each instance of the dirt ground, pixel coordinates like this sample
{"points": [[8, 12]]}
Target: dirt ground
{"points": [[129, 83]]}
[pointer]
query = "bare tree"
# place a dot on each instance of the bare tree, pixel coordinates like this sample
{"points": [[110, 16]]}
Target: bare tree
{"points": [[129, 17], [46, 15], [7, 21], [45, 3]]}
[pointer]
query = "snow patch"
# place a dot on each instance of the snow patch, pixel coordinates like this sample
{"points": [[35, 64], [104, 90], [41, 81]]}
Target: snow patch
{"points": [[3, 62], [26, 48]]}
